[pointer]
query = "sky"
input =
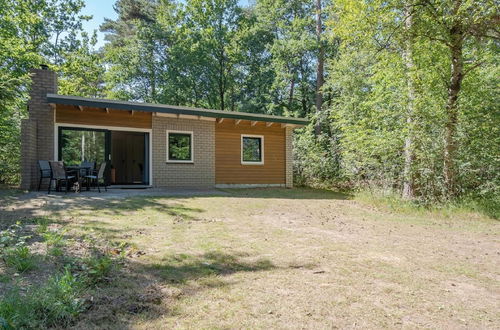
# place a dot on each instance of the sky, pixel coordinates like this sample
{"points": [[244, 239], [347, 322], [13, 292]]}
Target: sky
{"points": [[101, 9]]}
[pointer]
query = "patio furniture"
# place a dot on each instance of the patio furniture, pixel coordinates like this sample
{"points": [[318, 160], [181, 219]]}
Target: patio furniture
{"points": [[87, 168], [45, 171], [79, 172], [59, 174], [97, 177]]}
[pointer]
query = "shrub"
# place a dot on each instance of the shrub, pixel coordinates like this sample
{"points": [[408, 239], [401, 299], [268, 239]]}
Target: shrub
{"points": [[316, 160]]}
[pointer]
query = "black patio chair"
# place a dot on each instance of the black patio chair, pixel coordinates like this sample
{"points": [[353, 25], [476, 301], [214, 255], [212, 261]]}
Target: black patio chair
{"points": [[59, 174], [90, 168], [45, 171], [97, 177]]}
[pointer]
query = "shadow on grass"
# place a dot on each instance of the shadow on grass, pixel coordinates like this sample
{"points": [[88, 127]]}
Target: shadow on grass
{"points": [[125, 206], [180, 268], [23, 208], [149, 292], [16, 206]]}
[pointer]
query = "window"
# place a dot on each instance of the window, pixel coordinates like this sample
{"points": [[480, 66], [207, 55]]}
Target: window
{"points": [[179, 147], [252, 149]]}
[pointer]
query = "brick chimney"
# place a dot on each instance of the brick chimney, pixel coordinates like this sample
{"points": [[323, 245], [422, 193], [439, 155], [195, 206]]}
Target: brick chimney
{"points": [[37, 131]]}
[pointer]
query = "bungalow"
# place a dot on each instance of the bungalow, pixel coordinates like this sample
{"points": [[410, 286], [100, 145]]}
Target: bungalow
{"points": [[155, 145]]}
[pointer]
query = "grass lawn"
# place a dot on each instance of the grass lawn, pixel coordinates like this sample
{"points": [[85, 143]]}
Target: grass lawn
{"points": [[262, 258]]}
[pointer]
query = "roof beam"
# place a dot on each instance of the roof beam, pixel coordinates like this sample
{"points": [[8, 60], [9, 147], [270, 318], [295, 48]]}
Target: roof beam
{"points": [[107, 110], [269, 124], [170, 115], [237, 122], [220, 120], [80, 107], [132, 112], [187, 116], [254, 122]]}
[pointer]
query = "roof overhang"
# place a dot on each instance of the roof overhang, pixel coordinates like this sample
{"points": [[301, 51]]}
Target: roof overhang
{"points": [[163, 108]]}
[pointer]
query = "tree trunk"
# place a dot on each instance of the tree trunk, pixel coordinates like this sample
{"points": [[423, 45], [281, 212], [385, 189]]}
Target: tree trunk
{"points": [[319, 67], [456, 34], [409, 152], [221, 79], [303, 88], [290, 96], [450, 143]]}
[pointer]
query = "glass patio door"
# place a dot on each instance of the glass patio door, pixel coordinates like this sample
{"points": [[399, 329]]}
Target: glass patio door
{"points": [[82, 144]]}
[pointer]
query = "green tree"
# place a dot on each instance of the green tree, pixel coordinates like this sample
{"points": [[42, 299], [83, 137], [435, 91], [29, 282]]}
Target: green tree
{"points": [[461, 27], [393, 77], [31, 33], [82, 71]]}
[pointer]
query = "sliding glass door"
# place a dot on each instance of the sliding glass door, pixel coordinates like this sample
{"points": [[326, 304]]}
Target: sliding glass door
{"points": [[81, 144]]}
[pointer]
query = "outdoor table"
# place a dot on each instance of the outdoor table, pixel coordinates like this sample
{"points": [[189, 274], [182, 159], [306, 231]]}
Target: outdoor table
{"points": [[77, 169]]}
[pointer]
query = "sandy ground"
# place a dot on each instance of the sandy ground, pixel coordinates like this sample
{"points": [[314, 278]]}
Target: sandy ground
{"points": [[281, 259]]}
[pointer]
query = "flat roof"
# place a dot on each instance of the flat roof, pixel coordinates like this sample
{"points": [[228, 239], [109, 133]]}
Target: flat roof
{"points": [[163, 108]]}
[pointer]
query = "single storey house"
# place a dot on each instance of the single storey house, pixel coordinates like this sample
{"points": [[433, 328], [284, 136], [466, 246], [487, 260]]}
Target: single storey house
{"points": [[154, 144]]}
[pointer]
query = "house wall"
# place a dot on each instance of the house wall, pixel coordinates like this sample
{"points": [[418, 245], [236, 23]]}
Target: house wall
{"points": [[289, 157], [200, 173], [228, 167]]}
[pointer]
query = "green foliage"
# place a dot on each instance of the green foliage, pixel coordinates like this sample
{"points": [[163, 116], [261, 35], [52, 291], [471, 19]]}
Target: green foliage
{"points": [[31, 33], [82, 72], [55, 242], [213, 54], [374, 114], [316, 160], [54, 238], [20, 258], [97, 268], [179, 146], [12, 236], [489, 207], [42, 224], [57, 304]]}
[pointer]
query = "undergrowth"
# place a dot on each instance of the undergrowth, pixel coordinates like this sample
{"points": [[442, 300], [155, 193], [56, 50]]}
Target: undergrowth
{"points": [[486, 207], [61, 299], [20, 258]]}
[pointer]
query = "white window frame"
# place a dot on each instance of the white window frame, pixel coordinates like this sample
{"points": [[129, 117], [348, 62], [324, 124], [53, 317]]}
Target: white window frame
{"points": [[192, 147], [261, 149]]}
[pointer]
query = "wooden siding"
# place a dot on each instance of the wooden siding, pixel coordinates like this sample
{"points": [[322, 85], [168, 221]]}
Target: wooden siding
{"points": [[70, 114], [228, 167]]}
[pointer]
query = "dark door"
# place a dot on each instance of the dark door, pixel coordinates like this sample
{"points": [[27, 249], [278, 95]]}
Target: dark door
{"points": [[128, 157]]}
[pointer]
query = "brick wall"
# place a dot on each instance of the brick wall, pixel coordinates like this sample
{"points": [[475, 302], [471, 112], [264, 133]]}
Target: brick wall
{"points": [[37, 132], [28, 154], [201, 173], [289, 157]]}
